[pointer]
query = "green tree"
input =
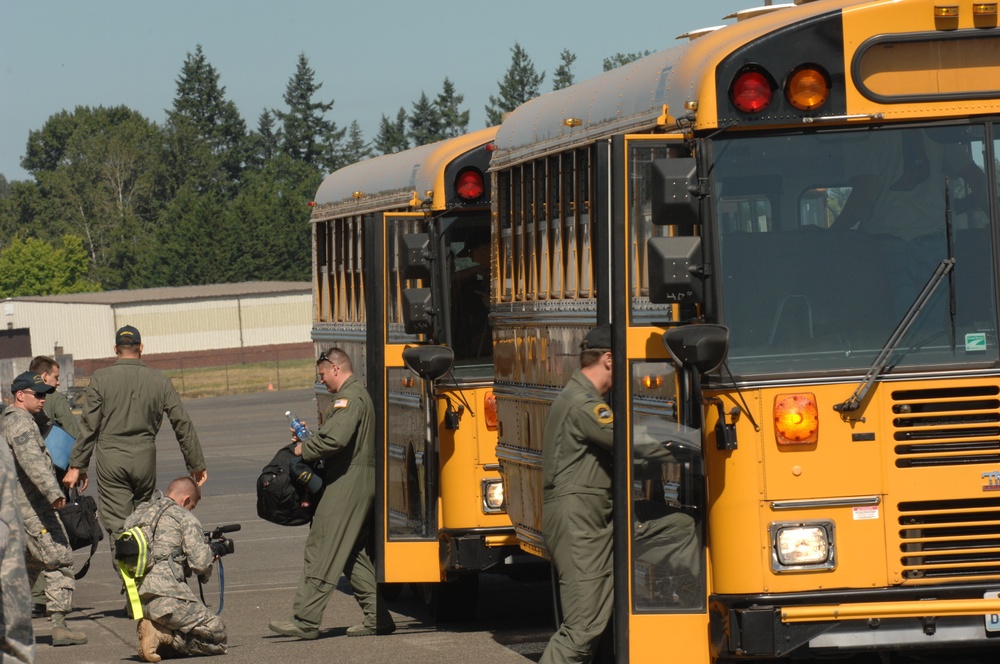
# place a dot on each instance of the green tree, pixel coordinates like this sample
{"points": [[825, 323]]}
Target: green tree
{"points": [[622, 59], [563, 75], [519, 84], [306, 134], [391, 135], [454, 121], [96, 172], [424, 122], [207, 138], [356, 148], [264, 143], [35, 267]]}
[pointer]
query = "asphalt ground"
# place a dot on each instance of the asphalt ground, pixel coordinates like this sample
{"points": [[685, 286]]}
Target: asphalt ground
{"points": [[239, 435]]}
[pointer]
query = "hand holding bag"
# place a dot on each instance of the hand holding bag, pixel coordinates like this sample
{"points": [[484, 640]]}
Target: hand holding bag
{"points": [[79, 518]]}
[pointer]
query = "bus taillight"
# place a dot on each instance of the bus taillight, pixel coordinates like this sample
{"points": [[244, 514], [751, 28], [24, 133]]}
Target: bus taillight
{"points": [[796, 419], [751, 90], [469, 185], [490, 410], [807, 88]]}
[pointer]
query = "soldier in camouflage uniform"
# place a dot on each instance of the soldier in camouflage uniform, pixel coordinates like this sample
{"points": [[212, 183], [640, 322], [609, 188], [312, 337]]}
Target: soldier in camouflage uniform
{"points": [[56, 411], [17, 642], [175, 620], [39, 496], [340, 528], [122, 413]]}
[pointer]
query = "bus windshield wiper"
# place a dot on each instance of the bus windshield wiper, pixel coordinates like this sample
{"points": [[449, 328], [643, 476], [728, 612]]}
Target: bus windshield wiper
{"points": [[943, 269]]}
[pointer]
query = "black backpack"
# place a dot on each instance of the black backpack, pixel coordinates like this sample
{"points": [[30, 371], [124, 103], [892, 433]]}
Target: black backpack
{"points": [[281, 490]]}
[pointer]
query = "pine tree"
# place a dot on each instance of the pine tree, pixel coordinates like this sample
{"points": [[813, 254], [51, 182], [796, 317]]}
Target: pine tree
{"points": [[424, 122], [355, 149], [207, 138], [563, 76], [264, 143], [519, 84], [454, 121], [622, 59], [306, 134], [391, 136]]}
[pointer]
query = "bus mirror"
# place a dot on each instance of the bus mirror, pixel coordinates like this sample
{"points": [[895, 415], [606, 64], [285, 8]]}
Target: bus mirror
{"points": [[702, 347], [414, 263], [674, 270], [418, 312], [429, 362], [674, 192]]}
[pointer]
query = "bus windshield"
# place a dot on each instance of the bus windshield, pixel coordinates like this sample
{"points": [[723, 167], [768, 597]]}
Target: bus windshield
{"points": [[826, 240]]}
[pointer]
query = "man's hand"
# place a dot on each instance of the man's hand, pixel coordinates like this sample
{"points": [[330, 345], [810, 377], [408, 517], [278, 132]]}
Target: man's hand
{"points": [[200, 476], [298, 450], [58, 503], [73, 477]]}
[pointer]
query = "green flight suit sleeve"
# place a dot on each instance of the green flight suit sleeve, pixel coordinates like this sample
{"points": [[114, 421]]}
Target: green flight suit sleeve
{"points": [[183, 427], [337, 431], [595, 423], [58, 410], [90, 427]]}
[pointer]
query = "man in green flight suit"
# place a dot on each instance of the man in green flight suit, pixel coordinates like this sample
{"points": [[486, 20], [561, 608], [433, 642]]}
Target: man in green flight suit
{"points": [[346, 445], [123, 410], [576, 509]]}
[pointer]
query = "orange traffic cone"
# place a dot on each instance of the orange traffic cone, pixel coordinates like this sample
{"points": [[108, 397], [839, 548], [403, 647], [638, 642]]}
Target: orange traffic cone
{"points": [[270, 386]]}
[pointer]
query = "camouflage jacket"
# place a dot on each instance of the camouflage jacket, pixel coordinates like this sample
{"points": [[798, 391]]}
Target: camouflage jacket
{"points": [[177, 549], [16, 636], [36, 476]]}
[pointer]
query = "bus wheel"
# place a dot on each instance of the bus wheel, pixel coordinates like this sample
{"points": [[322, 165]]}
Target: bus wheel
{"points": [[452, 601]]}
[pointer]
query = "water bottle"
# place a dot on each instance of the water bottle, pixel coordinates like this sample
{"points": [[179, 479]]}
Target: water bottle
{"points": [[301, 431]]}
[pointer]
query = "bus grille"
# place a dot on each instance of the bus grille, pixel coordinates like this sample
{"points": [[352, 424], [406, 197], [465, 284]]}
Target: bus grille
{"points": [[948, 539], [946, 426]]}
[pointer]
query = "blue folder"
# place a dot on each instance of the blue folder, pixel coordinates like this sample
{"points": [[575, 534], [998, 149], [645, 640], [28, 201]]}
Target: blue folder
{"points": [[60, 445]]}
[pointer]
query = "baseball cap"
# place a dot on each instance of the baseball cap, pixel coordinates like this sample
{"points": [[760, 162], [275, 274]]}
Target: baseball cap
{"points": [[599, 337], [127, 336], [29, 380]]}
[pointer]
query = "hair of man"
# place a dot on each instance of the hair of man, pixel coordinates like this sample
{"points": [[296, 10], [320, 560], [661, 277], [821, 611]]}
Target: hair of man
{"points": [[42, 364], [338, 357], [184, 487]]}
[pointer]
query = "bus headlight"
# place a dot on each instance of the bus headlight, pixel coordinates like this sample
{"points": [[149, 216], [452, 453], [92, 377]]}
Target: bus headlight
{"points": [[493, 502], [806, 546]]}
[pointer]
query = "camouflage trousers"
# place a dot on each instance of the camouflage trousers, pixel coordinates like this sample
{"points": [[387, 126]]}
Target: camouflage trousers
{"points": [[197, 631], [50, 556], [17, 641]]}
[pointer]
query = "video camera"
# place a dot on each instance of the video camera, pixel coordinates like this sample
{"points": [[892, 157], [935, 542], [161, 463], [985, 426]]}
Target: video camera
{"points": [[218, 543]]}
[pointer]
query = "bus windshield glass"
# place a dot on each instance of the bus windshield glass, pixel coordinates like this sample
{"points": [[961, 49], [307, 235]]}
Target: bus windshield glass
{"points": [[827, 239]]}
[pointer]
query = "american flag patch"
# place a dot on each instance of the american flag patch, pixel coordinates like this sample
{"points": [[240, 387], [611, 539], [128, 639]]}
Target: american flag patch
{"points": [[340, 403]]}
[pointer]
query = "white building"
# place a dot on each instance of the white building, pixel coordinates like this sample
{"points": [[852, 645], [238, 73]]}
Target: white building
{"points": [[171, 320]]}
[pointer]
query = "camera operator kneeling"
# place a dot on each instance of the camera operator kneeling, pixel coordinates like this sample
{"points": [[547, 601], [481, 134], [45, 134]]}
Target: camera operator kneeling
{"points": [[175, 621]]}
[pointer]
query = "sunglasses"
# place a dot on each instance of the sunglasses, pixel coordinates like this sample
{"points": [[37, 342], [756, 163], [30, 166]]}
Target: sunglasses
{"points": [[323, 358]]}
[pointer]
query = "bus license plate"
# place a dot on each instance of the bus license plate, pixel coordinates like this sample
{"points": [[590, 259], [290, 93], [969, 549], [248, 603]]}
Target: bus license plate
{"points": [[992, 619]]}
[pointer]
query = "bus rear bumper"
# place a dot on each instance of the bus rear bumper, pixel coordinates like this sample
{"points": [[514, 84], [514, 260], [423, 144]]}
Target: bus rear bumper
{"points": [[942, 619]]}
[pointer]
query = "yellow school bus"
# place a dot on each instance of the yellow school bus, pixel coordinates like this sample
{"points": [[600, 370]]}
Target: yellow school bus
{"points": [[401, 262], [791, 223]]}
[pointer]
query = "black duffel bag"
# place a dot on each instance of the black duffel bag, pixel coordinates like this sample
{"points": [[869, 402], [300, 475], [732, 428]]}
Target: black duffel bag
{"points": [[79, 518], [288, 489]]}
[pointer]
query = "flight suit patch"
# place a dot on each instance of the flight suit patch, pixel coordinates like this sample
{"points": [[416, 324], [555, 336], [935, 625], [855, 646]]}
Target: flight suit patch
{"points": [[340, 403], [603, 414]]}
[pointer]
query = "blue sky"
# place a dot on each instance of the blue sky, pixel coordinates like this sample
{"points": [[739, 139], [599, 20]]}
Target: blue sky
{"points": [[371, 56]]}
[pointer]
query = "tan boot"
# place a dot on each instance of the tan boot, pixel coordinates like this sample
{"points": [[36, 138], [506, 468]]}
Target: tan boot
{"points": [[63, 635], [151, 637]]}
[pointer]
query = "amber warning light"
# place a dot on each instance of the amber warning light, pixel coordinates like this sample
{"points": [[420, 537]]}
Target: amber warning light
{"points": [[796, 419]]}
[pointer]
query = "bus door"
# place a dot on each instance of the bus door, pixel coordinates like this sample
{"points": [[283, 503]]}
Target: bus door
{"points": [[661, 587], [407, 460]]}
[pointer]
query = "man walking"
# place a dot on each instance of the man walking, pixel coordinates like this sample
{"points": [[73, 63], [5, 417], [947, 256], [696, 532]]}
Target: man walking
{"points": [[57, 408], [122, 413], [340, 528], [39, 496]]}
